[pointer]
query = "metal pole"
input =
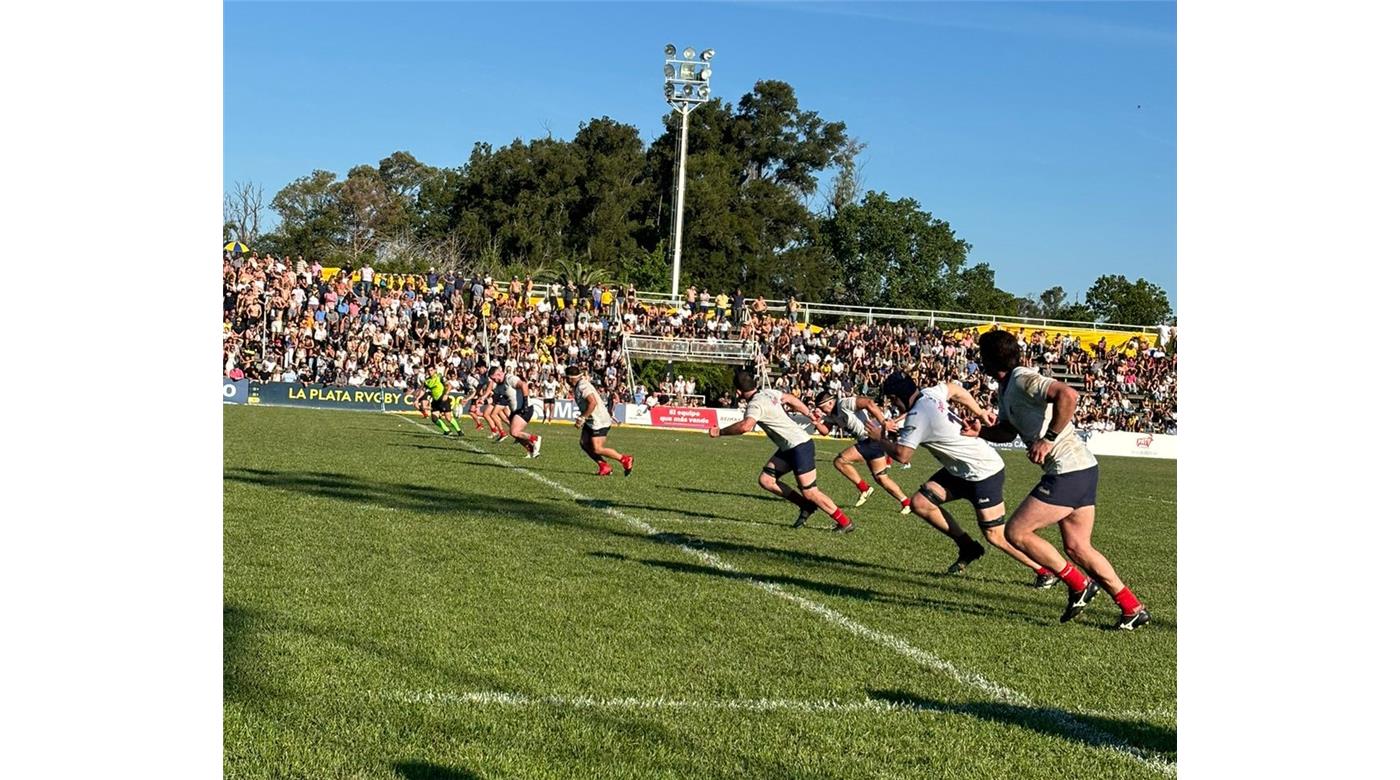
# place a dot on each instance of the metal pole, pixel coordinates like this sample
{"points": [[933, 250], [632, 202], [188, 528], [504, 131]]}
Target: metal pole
{"points": [[679, 211]]}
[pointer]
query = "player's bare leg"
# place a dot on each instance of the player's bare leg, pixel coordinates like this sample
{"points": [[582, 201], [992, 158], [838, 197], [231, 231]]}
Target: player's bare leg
{"points": [[1077, 530], [768, 480], [527, 440], [880, 469], [807, 483], [845, 462], [1033, 515], [933, 513], [996, 536]]}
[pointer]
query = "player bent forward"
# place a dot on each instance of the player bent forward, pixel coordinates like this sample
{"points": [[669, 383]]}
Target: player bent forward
{"points": [[594, 420], [796, 452], [1067, 488], [971, 471], [859, 417], [513, 393]]}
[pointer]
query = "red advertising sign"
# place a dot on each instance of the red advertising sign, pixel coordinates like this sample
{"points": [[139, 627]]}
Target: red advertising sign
{"points": [[683, 417]]}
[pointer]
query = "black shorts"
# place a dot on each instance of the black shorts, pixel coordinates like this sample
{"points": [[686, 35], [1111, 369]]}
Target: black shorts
{"points": [[443, 404], [1073, 490], [589, 430], [981, 494], [527, 413], [870, 449], [799, 460]]}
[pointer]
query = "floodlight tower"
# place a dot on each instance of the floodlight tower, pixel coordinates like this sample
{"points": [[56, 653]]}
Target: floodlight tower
{"points": [[687, 86]]}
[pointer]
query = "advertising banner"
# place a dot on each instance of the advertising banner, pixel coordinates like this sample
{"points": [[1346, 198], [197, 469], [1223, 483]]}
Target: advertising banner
{"points": [[1140, 445], [683, 417], [326, 397], [235, 392]]}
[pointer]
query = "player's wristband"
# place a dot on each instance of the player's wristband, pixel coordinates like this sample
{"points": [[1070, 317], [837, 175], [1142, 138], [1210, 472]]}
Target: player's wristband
{"points": [[1050, 435]]}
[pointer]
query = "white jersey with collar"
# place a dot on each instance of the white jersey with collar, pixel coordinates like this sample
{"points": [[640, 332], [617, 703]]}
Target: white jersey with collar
{"points": [[600, 418], [766, 409], [1025, 406], [846, 417], [933, 424]]}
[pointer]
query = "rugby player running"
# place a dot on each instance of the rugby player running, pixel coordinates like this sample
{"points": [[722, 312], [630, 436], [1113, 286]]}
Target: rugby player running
{"points": [[972, 470], [796, 452], [1041, 411]]}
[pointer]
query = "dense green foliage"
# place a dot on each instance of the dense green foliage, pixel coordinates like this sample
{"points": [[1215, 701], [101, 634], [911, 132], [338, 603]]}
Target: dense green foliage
{"points": [[603, 199], [370, 590]]}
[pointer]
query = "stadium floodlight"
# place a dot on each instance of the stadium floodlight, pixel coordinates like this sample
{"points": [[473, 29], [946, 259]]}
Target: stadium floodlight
{"points": [[687, 87]]}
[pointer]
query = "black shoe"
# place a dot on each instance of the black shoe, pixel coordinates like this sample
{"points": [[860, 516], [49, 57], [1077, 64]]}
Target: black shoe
{"points": [[966, 555], [1044, 581], [844, 529], [1134, 621], [1078, 600], [802, 515]]}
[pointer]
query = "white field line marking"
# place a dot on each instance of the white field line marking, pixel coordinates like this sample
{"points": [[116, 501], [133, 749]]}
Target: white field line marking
{"points": [[507, 699], [999, 693]]}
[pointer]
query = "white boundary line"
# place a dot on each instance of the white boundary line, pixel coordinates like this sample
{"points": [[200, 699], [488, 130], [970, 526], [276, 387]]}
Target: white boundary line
{"points": [[997, 692], [507, 699]]}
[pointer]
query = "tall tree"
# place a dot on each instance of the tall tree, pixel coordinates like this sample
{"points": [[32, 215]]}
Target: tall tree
{"points": [[892, 253], [311, 220], [1114, 299]]}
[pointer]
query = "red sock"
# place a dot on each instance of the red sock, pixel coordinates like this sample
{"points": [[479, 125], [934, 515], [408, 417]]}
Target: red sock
{"points": [[862, 486], [1127, 601], [1042, 571], [905, 502], [840, 517], [1074, 578]]}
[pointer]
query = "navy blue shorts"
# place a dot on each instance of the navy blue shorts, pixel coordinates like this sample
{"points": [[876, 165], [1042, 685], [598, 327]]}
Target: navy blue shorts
{"points": [[443, 404], [799, 460], [589, 430], [870, 449], [1074, 490], [981, 494], [527, 413]]}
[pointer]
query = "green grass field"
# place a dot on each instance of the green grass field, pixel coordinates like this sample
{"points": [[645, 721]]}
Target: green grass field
{"points": [[403, 605]]}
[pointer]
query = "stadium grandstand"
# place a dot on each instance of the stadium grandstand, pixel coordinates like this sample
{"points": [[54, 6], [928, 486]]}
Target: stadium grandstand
{"points": [[294, 321]]}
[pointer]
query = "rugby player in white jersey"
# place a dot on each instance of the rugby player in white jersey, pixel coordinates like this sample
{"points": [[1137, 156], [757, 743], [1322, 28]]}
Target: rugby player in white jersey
{"points": [[1041, 411], [857, 416], [796, 452], [594, 420], [513, 393], [971, 471]]}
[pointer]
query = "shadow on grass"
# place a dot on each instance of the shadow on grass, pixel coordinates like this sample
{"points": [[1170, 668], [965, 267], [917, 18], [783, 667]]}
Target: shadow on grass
{"points": [[1094, 731], [427, 499], [423, 770], [841, 591]]}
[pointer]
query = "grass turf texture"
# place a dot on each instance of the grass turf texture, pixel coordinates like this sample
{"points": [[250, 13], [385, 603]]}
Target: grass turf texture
{"points": [[399, 606]]}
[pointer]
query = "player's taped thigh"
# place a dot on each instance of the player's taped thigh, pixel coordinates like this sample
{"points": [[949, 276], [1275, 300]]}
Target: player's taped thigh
{"points": [[882, 472], [987, 525], [930, 495]]}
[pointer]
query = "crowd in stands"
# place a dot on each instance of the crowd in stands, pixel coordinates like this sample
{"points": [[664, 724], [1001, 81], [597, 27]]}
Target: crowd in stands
{"points": [[286, 320]]}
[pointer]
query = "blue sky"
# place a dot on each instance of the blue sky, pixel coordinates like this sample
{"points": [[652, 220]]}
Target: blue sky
{"points": [[1043, 132]]}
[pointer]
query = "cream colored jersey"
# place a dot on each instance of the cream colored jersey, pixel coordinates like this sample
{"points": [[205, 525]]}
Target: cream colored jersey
{"points": [[934, 425], [766, 408], [846, 417], [599, 418], [1024, 405]]}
